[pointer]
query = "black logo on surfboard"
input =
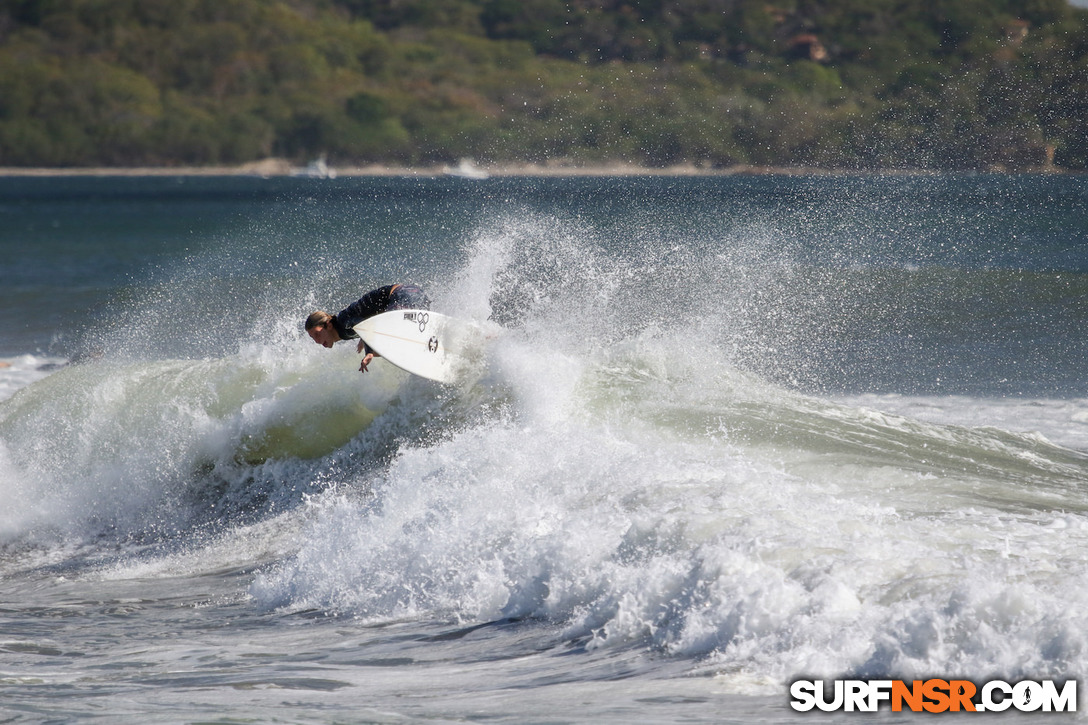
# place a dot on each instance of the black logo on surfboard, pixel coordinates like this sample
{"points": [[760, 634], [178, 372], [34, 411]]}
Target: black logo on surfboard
{"points": [[421, 317], [432, 344]]}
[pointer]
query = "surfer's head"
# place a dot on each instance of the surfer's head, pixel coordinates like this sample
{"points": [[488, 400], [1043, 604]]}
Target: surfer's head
{"points": [[320, 328]]}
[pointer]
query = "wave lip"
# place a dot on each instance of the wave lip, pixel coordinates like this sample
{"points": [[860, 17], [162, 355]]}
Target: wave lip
{"points": [[135, 446]]}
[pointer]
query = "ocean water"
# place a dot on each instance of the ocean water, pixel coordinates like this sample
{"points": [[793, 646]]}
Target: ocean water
{"points": [[737, 431]]}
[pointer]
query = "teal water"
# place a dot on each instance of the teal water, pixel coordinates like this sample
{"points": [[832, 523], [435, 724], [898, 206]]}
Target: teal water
{"points": [[737, 430]]}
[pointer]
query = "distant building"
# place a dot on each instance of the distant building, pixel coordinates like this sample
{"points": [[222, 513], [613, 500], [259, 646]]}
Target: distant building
{"points": [[808, 45]]}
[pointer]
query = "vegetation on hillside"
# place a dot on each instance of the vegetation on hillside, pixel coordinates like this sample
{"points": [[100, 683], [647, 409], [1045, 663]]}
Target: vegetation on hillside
{"points": [[935, 84]]}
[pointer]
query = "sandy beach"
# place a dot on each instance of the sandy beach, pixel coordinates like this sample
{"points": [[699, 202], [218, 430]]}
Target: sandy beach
{"points": [[283, 167], [276, 167]]}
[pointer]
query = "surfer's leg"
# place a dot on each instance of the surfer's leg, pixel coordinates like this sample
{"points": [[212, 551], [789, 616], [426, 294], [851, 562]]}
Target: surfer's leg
{"points": [[407, 296]]}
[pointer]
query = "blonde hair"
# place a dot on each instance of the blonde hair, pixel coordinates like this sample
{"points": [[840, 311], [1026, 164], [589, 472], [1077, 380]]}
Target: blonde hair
{"points": [[316, 319]]}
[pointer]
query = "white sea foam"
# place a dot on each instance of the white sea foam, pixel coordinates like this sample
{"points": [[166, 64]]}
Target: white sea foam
{"points": [[630, 534]]}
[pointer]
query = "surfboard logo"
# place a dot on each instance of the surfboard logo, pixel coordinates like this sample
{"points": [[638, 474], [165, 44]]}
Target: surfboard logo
{"points": [[420, 317], [432, 344]]}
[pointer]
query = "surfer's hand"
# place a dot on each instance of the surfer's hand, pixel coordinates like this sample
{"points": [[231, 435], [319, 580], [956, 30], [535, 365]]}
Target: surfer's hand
{"points": [[365, 362]]}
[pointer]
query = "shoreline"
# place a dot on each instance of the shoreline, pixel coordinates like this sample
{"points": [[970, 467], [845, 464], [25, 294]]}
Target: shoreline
{"points": [[269, 168]]}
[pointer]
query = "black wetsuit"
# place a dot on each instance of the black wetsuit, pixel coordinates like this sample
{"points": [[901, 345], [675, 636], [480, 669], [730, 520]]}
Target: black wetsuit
{"points": [[383, 299]]}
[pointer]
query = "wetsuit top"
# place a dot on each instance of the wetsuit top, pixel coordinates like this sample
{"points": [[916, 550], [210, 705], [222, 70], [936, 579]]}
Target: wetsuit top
{"points": [[383, 299]]}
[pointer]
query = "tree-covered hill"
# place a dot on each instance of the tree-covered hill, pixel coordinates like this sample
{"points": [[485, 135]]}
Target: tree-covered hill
{"points": [[936, 84]]}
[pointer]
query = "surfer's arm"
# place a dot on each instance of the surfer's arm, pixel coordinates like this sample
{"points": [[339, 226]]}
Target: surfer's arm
{"points": [[368, 355]]}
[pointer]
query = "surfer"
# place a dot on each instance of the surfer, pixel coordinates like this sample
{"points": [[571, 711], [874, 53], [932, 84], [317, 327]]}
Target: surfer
{"points": [[326, 329]]}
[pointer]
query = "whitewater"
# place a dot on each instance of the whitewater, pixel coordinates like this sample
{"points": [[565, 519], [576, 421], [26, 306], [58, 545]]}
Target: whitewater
{"points": [[736, 432]]}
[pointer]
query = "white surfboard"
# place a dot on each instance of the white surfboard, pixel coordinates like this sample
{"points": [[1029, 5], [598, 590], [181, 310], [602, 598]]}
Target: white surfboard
{"points": [[425, 343]]}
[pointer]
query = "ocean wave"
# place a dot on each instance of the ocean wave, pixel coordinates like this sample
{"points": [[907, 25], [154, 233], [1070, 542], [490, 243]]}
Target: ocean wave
{"points": [[139, 445]]}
